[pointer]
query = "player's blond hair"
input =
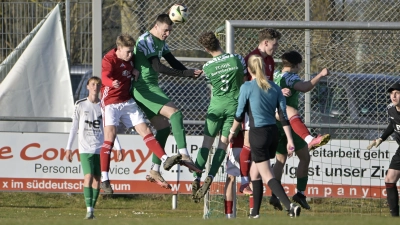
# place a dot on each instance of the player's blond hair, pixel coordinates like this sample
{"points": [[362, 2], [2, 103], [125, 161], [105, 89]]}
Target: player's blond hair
{"points": [[256, 66], [125, 40], [95, 79]]}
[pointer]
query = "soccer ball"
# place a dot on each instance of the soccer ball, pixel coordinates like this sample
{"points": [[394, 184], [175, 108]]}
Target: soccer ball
{"points": [[178, 13]]}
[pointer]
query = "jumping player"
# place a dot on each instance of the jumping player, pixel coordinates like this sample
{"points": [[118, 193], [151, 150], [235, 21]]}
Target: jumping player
{"points": [[157, 106], [225, 73], [117, 104]]}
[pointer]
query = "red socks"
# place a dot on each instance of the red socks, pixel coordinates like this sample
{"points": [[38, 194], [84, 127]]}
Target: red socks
{"points": [[298, 126], [228, 207], [245, 161], [105, 154], [251, 202], [153, 145]]}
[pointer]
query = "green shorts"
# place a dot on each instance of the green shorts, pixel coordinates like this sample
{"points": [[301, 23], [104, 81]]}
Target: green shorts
{"points": [[90, 163], [298, 142], [220, 116], [151, 100]]}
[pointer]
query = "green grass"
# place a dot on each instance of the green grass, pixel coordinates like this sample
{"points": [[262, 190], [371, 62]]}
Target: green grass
{"points": [[50, 208]]}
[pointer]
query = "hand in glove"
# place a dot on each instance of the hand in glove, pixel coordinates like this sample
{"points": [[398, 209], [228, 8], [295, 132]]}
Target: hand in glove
{"points": [[375, 143]]}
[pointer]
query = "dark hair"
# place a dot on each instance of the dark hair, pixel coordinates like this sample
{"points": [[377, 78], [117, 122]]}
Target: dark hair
{"points": [[291, 59], [268, 34], [164, 18], [209, 41]]}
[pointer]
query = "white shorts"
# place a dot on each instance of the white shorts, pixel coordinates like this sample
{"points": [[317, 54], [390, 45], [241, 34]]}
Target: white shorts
{"points": [[127, 112], [232, 162]]}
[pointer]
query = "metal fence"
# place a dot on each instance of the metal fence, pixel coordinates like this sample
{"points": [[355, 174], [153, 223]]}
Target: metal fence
{"points": [[343, 51]]}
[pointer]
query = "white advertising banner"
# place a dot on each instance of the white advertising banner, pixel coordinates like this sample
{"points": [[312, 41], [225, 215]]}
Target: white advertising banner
{"points": [[36, 162], [39, 84]]}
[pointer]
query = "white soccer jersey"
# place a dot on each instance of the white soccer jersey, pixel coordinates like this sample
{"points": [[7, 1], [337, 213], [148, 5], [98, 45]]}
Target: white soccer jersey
{"points": [[87, 121]]}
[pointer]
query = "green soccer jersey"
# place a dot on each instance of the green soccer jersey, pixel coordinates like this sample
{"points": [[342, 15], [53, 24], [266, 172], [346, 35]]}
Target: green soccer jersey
{"points": [[288, 80], [147, 46], [225, 73]]}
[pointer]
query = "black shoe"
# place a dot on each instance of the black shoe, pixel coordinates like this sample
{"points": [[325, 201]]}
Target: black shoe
{"points": [[301, 199], [394, 212], [274, 201], [106, 186], [294, 210]]}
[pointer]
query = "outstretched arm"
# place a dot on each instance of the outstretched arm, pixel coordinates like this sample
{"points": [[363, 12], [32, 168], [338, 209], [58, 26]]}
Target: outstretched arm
{"points": [[161, 68], [306, 86], [173, 62], [389, 130]]}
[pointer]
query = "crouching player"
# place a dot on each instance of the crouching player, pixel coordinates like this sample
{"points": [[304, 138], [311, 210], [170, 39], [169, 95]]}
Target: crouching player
{"points": [[87, 120]]}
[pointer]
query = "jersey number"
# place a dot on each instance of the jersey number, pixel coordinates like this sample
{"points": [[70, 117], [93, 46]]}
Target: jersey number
{"points": [[225, 81]]}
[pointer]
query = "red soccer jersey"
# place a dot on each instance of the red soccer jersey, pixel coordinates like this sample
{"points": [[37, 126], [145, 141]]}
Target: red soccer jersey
{"points": [[113, 68], [268, 61]]}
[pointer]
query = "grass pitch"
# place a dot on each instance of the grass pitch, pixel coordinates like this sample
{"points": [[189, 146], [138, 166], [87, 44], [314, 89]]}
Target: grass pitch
{"points": [[50, 208]]}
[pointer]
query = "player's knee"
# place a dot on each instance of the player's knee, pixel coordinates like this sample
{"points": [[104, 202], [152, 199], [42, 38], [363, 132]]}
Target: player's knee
{"points": [[178, 115]]}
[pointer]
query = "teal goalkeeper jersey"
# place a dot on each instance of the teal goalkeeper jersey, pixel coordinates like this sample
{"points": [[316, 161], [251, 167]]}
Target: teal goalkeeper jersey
{"points": [[147, 46], [225, 73], [288, 80]]}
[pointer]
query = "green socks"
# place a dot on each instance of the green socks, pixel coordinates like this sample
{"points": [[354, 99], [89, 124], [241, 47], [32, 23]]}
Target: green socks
{"points": [[178, 130], [201, 160], [88, 194], [217, 160], [96, 193]]}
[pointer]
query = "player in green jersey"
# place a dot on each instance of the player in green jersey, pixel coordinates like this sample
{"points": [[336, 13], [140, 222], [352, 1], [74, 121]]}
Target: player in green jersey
{"points": [[157, 106], [225, 73], [289, 78]]}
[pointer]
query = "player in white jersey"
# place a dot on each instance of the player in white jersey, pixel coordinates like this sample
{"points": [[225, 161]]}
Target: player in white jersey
{"points": [[87, 120]]}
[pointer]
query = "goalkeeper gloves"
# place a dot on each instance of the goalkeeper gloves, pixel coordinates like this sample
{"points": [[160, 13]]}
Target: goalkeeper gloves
{"points": [[375, 143]]}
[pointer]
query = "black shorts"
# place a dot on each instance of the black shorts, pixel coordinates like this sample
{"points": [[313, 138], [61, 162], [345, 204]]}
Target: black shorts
{"points": [[395, 162], [263, 142]]}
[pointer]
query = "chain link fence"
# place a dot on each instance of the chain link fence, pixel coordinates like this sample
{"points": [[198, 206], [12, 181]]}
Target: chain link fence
{"points": [[355, 56]]}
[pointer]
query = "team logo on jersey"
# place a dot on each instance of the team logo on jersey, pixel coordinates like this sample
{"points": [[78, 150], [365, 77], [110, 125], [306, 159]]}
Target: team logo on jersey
{"points": [[122, 65], [126, 73]]}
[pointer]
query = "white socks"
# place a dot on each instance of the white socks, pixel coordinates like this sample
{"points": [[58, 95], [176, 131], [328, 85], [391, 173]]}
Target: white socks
{"points": [[104, 176]]}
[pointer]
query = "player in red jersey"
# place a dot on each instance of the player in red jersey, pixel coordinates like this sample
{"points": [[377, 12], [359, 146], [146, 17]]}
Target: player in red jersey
{"points": [[268, 44], [118, 105]]}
